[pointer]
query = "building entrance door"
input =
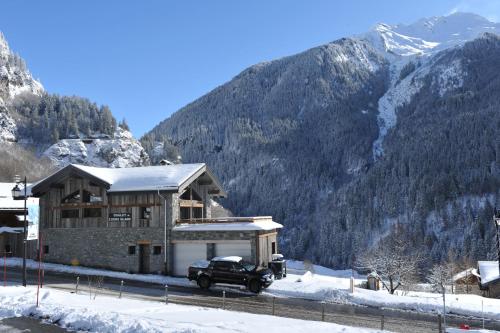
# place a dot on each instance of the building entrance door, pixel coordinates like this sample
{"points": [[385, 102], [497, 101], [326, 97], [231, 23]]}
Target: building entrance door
{"points": [[144, 253]]}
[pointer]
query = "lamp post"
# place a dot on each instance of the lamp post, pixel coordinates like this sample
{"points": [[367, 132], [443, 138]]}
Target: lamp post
{"points": [[17, 194], [497, 225]]}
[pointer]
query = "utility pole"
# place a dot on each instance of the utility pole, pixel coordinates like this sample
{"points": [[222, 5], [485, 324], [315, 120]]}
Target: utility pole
{"points": [[25, 240]]}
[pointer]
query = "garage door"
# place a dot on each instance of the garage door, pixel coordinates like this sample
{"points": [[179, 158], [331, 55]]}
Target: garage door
{"points": [[187, 253], [241, 249]]}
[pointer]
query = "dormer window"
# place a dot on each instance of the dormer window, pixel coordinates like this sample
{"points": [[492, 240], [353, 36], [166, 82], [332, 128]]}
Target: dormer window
{"points": [[91, 197], [72, 198]]}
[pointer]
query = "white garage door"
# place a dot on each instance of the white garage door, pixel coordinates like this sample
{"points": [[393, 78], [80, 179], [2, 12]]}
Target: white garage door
{"points": [[241, 249], [187, 253]]}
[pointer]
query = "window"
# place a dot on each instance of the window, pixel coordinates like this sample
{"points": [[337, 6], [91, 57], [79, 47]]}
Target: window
{"points": [[69, 213], [185, 213], [45, 249], [131, 250], [156, 250], [273, 247], [197, 212], [223, 266], [7, 248], [145, 213], [92, 212], [91, 197], [72, 198]]}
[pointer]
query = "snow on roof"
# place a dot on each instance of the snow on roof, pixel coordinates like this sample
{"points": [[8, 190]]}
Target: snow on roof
{"points": [[163, 177], [228, 258], [489, 271], [6, 200], [230, 226], [463, 274], [9, 230]]}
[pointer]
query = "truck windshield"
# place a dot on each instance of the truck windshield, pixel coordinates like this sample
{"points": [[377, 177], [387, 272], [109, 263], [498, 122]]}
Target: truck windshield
{"points": [[248, 266]]}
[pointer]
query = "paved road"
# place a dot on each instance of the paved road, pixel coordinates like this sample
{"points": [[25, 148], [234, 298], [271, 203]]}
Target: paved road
{"points": [[394, 320], [28, 325]]}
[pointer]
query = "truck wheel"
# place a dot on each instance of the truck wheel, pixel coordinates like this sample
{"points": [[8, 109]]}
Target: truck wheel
{"points": [[254, 286], [204, 282]]}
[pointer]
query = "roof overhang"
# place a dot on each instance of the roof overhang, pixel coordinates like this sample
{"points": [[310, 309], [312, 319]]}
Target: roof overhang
{"points": [[56, 178], [230, 226], [206, 177]]}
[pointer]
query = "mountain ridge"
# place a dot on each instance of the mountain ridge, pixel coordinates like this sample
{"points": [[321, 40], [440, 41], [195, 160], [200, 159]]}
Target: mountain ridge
{"points": [[319, 140]]}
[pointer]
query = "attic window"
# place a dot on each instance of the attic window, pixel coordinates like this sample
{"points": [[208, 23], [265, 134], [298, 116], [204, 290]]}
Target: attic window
{"points": [[187, 195], [72, 198], [91, 197]]}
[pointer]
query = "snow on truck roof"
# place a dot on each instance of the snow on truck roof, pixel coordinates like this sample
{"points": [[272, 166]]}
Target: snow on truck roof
{"points": [[149, 178]]}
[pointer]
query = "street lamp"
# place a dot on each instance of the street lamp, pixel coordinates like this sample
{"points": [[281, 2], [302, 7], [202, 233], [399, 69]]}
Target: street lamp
{"points": [[497, 225], [18, 195]]}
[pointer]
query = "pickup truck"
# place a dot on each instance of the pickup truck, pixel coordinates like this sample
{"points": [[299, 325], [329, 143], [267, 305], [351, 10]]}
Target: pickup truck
{"points": [[230, 270]]}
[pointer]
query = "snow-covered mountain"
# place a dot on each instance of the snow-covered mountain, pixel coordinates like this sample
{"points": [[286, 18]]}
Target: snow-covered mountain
{"points": [[64, 129], [348, 141], [15, 79], [14, 76], [412, 47], [429, 35]]}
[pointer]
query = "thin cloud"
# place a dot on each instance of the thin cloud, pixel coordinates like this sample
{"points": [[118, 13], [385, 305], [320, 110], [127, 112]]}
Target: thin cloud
{"points": [[486, 8]]}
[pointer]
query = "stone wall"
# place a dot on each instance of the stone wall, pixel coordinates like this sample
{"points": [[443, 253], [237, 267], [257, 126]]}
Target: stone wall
{"points": [[103, 247]]}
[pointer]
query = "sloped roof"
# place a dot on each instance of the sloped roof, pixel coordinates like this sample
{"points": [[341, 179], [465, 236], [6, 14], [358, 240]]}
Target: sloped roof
{"points": [[150, 178], [489, 271]]}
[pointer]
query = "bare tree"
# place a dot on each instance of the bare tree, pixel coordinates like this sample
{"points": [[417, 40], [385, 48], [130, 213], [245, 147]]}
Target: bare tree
{"points": [[440, 276], [393, 263]]}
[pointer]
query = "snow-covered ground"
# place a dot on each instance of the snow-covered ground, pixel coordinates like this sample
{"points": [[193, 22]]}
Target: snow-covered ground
{"points": [[322, 284], [106, 314]]}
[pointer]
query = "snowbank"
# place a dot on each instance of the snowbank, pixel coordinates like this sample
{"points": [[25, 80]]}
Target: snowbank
{"points": [[159, 279], [106, 314]]}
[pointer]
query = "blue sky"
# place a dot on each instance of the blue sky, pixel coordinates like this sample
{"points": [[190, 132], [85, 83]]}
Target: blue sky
{"points": [[146, 59]]}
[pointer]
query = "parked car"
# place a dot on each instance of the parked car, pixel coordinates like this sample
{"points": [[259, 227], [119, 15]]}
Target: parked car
{"points": [[230, 270]]}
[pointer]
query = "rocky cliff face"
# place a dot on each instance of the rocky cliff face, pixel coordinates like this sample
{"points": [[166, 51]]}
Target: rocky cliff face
{"points": [[15, 79], [120, 151], [349, 141]]}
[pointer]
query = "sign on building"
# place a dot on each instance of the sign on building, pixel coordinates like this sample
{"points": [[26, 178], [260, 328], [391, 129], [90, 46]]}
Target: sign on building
{"points": [[33, 218], [119, 217]]}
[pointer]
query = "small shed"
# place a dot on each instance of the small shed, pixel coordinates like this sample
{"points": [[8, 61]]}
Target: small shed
{"points": [[373, 281]]}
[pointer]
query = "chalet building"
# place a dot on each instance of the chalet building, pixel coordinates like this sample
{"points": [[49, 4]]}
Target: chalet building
{"points": [[155, 219], [11, 222]]}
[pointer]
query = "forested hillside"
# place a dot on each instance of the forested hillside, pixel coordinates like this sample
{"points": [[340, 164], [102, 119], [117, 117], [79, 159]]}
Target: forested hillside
{"points": [[296, 138], [47, 118]]}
